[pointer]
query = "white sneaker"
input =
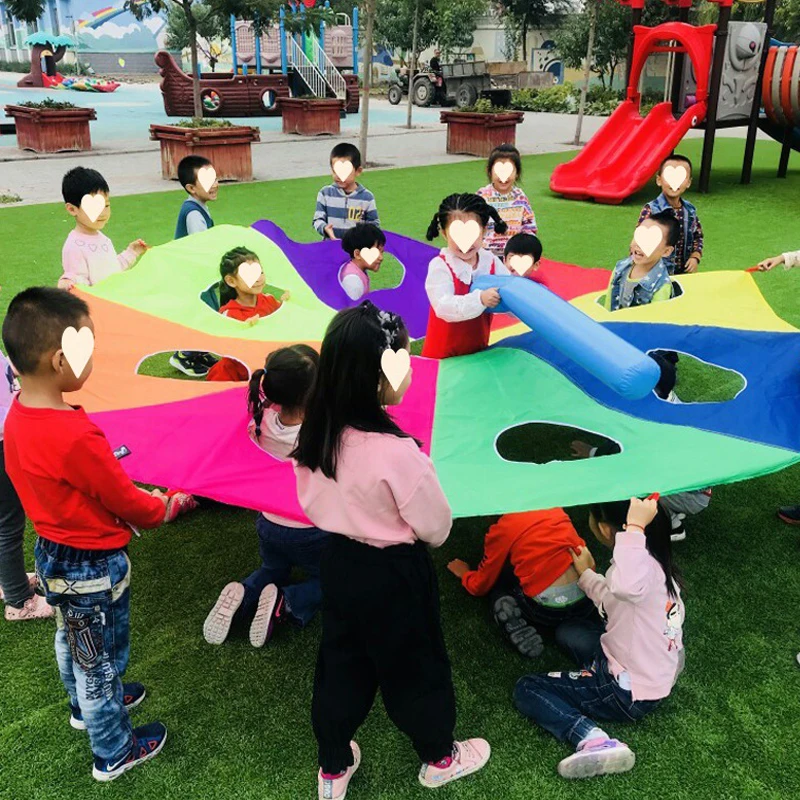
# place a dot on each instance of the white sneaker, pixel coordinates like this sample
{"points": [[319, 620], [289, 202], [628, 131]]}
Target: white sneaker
{"points": [[598, 757], [219, 619], [336, 788], [468, 757]]}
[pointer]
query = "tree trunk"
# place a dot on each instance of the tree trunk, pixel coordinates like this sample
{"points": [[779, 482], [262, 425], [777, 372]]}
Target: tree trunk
{"points": [[198, 105], [587, 69], [525, 40], [413, 64], [362, 139]]}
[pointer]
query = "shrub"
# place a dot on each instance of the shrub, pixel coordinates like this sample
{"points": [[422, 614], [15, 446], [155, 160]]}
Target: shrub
{"points": [[554, 99], [50, 104], [205, 123]]}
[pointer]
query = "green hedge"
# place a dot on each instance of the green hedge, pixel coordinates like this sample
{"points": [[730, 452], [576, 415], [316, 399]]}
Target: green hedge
{"points": [[565, 99]]}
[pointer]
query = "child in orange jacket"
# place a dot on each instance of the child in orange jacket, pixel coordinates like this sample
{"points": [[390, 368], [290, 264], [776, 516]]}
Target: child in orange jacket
{"points": [[528, 572]]}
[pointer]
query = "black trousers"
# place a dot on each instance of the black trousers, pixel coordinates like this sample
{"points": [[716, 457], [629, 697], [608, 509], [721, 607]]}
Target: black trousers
{"points": [[381, 629]]}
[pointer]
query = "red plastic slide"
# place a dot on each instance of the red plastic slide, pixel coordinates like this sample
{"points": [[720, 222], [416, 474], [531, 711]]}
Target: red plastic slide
{"points": [[625, 153]]}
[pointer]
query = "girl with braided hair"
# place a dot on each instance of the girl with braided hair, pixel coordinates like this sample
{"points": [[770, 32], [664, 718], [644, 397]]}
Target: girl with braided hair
{"points": [[457, 324], [364, 479]]}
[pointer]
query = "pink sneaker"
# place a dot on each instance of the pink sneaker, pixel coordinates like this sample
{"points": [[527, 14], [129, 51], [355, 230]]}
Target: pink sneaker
{"points": [[35, 607], [32, 580], [271, 606], [336, 788], [598, 757], [468, 757], [179, 503], [218, 621]]}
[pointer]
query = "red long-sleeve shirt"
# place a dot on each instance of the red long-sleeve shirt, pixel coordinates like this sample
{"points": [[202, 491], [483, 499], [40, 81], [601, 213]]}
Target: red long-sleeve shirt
{"points": [[72, 488], [536, 542]]}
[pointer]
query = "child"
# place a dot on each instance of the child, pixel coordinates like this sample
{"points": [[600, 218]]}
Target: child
{"points": [[523, 246], [528, 573], [17, 587], [240, 299], [83, 507], [457, 325], [88, 255], [639, 657], [504, 169], [364, 479], [641, 279], [193, 216], [344, 203], [277, 398], [689, 245], [353, 276]]}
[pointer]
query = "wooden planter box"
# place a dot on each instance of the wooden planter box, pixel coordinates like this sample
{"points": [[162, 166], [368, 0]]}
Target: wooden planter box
{"points": [[228, 149], [311, 117], [475, 134], [46, 130]]}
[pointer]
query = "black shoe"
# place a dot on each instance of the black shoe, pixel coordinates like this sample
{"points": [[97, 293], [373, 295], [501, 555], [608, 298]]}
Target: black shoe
{"points": [[206, 359], [789, 514], [188, 364], [517, 631]]}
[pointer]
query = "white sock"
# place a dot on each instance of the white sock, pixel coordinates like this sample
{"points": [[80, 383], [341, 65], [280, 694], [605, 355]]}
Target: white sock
{"points": [[594, 733]]}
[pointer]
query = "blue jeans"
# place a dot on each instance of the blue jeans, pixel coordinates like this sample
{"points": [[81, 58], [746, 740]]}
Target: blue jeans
{"points": [[282, 548], [567, 703], [89, 589]]}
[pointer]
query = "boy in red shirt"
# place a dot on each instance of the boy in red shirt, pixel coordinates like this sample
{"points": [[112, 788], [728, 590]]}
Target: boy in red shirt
{"points": [[528, 572], [83, 507]]}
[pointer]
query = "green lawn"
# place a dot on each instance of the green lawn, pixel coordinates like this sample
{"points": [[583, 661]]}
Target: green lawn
{"points": [[239, 718]]}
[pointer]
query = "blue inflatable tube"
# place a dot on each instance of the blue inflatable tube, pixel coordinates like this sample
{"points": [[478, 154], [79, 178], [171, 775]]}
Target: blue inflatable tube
{"points": [[618, 364]]}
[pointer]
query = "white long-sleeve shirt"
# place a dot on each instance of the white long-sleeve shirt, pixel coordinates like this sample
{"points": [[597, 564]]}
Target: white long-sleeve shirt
{"points": [[792, 259], [441, 292], [88, 258]]}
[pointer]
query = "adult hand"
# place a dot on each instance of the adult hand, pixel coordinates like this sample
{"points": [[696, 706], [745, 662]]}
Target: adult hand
{"points": [[458, 567], [582, 559], [490, 298], [642, 512], [768, 263]]}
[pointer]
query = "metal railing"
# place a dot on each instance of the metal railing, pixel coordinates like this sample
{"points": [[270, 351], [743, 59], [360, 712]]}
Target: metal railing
{"points": [[307, 70], [330, 72]]}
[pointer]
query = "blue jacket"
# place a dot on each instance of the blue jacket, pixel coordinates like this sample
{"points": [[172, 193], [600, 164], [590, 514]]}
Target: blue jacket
{"points": [[190, 204], [644, 291]]}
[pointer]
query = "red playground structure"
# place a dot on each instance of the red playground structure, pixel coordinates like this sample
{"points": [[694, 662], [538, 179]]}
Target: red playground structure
{"points": [[627, 150]]}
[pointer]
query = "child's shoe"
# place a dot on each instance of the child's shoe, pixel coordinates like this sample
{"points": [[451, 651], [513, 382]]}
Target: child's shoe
{"points": [[468, 757], [147, 743], [334, 787], [218, 622], [789, 514], [597, 757], [178, 503], [32, 580], [271, 610], [516, 629], [189, 364], [35, 607], [132, 696]]}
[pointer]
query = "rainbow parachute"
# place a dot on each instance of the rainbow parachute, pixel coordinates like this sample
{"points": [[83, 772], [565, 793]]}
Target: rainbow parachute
{"points": [[193, 435]]}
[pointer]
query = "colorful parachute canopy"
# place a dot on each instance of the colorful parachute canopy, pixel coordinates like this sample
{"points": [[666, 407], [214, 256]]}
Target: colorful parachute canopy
{"points": [[193, 435]]}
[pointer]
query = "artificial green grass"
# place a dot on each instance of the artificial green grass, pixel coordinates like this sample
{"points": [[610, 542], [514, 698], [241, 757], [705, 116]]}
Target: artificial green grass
{"points": [[239, 718], [699, 382]]}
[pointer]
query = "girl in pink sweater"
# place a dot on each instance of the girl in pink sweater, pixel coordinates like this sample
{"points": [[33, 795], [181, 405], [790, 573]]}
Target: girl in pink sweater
{"points": [[365, 480], [630, 668]]}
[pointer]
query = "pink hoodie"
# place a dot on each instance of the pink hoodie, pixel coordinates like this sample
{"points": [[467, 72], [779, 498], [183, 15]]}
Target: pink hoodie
{"points": [[386, 492], [643, 635]]}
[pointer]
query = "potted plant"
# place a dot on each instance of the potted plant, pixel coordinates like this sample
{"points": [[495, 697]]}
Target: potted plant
{"points": [[311, 116], [477, 130], [225, 145], [51, 127]]}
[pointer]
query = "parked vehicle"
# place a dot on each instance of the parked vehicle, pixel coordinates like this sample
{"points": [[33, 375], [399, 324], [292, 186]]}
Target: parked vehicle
{"points": [[460, 83]]}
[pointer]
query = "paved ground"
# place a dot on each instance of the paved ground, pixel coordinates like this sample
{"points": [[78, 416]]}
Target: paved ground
{"points": [[130, 161]]}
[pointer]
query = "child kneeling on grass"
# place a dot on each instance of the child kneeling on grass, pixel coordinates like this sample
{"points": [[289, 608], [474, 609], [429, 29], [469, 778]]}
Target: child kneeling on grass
{"points": [[360, 476], [83, 507], [277, 401], [627, 671]]}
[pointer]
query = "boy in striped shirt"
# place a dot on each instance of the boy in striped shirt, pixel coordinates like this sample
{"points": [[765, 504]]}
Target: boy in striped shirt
{"points": [[345, 203]]}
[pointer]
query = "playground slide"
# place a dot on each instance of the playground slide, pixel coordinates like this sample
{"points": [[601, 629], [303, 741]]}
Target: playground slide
{"points": [[625, 153]]}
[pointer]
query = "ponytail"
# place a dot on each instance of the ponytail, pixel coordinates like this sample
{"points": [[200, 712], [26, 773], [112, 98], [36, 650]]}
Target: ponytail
{"points": [[500, 225], [255, 399], [433, 228]]}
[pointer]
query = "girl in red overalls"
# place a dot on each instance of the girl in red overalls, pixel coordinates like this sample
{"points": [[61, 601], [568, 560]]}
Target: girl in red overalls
{"points": [[457, 324]]}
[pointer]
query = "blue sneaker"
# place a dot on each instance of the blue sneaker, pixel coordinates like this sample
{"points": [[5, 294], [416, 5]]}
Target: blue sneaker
{"points": [[132, 695], [147, 743]]}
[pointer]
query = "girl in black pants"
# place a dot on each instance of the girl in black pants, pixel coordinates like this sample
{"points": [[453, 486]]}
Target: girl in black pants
{"points": [[363, 478]]}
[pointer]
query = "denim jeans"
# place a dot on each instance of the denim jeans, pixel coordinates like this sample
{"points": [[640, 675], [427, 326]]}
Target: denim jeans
{"points": [[567, 703], [13, 578], [282, 548], [89, 589]]}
